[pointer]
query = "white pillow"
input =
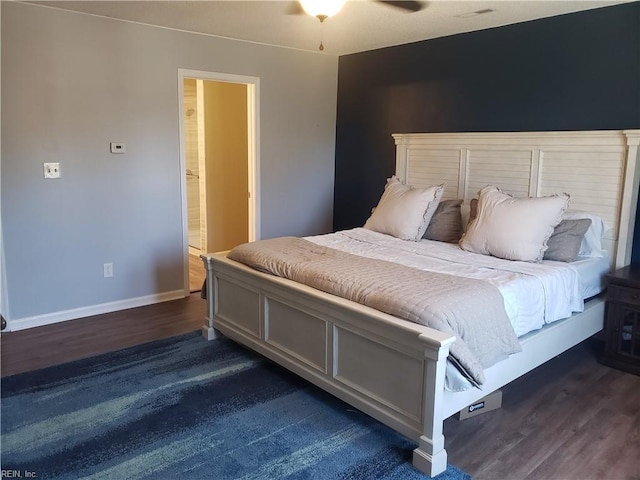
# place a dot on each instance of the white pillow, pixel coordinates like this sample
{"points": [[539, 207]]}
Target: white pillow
{"points": [[591, 245], [513, 228], [404, 211]]}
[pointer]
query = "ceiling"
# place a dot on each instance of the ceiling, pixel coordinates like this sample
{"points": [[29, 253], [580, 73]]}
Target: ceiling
{"points": [[361, 25]]}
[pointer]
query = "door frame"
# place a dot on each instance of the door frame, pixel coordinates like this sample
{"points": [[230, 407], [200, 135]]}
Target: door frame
{"points": [[253, 153]]}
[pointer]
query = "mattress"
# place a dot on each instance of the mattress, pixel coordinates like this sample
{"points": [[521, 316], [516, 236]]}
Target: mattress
{"points": [[592, 272], [534, 294]]}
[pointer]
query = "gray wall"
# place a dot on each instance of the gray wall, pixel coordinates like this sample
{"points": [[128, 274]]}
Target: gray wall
{"points": [[72, 83]]}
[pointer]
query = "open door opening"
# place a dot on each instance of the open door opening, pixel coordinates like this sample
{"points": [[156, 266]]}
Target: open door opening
{"points": [[218, 134]]}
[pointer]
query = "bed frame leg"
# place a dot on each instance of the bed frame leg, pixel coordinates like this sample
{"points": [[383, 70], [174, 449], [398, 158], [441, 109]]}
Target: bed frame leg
{"points": [[210, 333], [430, 457]]}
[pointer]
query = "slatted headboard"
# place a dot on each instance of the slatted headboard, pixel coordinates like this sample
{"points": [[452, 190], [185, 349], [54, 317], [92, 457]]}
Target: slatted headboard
{"points": [[598, 169]]}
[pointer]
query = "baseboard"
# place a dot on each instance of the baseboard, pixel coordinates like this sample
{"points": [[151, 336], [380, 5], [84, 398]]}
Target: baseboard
{"points": [[75, 313]]}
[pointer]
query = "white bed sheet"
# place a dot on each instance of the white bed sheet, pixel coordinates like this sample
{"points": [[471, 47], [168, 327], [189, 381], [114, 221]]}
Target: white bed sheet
{"points": [[534, 294], [592, 271]]}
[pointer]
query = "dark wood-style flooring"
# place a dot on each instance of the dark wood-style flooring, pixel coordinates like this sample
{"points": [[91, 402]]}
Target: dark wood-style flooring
{"points": [[571, 418], [41, 347]]}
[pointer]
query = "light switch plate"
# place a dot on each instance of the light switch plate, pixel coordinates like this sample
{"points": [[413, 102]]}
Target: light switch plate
{"points": [[117, 147], [52, 170]]}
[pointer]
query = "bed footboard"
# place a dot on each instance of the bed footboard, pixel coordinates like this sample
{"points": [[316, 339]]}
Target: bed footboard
{"points": [[390, 369]]}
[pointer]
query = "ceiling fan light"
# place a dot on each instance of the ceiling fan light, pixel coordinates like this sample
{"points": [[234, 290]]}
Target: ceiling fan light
{"points": [[322, 8]]}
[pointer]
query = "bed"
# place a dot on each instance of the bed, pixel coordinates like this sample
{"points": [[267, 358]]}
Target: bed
{"points": [[356, 352]]}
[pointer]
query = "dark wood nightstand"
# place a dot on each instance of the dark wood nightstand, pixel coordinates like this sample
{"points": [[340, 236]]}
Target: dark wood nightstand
{"points": [[622, 320]]}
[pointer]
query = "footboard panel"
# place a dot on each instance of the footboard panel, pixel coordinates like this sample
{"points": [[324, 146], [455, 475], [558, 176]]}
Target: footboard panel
{"points": [[296, 333], [238, 305], [391, 369], [387, 375]]}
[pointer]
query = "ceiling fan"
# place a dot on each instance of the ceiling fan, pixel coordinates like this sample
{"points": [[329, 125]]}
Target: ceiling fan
{"points": [[322, 9], [408, 6], [327, 8]]}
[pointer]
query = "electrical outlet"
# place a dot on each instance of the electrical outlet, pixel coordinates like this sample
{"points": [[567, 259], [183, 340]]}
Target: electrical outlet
{"points": [[116, 147], [108, 270], [52, 170]]}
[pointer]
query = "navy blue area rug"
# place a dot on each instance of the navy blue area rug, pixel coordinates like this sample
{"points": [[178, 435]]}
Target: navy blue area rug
{"points": [[190, 409]]}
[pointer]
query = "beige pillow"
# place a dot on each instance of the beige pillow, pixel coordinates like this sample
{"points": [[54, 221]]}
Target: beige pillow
{"points": [[404, 211], [446, 223], [513, 228], [565, 241]]}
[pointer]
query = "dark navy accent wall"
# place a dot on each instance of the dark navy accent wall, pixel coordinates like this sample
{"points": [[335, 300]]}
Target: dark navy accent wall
{"points": [[572, 72]]}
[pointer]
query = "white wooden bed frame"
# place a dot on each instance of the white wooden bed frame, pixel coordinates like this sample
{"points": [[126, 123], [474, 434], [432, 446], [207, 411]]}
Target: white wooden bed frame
{"points": [[393, 369]]}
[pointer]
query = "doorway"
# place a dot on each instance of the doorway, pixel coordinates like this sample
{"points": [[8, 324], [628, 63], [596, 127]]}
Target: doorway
{"points": [[219, 165]]}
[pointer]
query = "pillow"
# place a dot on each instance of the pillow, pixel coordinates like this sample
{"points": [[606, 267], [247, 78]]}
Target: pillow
{"points": [[564, 243], [591, 245], [446, 223], [473, 210], [513, 228], [404, 211]]}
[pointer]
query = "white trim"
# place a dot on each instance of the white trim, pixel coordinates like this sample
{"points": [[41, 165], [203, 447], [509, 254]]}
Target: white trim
{"points": [[183, 186], [253, 152], [203, 195], [76, 313], [629, 199]]}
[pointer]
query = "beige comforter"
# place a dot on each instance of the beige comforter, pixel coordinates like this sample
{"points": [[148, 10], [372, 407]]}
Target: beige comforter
{"points": [[473, 310]]}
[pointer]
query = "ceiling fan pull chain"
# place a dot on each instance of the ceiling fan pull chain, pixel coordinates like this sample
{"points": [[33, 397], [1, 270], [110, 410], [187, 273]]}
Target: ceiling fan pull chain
{"points": [[321, 18]]}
